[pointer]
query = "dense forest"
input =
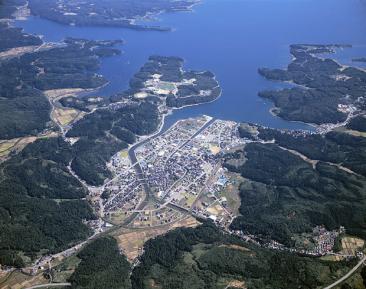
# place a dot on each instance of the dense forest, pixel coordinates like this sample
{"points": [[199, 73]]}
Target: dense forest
{"points": [[334, 147], [358, 123], [285, 194], [120, 118], [205, 258], [40, 202], [25, 110], [102, 266], [14, 37], [105, 132], [322, 85]]}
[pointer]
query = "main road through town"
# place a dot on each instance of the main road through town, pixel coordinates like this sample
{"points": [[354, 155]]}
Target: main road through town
{"points": [[149, 195]]}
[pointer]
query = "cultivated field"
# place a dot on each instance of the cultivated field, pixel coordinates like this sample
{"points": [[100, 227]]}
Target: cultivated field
{"points": [[131, 241]]}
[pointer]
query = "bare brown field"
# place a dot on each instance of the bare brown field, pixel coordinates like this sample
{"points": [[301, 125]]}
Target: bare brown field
{"points": [[6, 146], [55, 94], [18, 280], [351, 132], [236, 247], [350, 245], [333, 258], [16, 144], [215, 209], [236, 284], [18, 51], [131, 241], [65, 116], [231, 192]]}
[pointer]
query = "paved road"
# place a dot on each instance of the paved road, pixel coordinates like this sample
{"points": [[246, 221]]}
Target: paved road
{"points": [[50, 285], [149, 195], [345, 277]]}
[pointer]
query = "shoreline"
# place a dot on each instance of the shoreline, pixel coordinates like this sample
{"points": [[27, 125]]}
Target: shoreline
{"points": [[131, 23], [161, 129]]}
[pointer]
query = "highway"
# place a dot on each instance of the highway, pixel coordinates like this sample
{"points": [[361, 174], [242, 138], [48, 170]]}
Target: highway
{"points": [[349, 274]]}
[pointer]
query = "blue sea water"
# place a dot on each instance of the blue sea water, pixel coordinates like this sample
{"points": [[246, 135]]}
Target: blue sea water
{"points": [[231, 38]]}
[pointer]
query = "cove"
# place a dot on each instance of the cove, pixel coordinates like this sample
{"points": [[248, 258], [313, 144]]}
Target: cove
{"points": [[231, 38]]}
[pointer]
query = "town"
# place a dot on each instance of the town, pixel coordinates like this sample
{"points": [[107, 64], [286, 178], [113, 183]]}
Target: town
{"points": [[178, 172]]}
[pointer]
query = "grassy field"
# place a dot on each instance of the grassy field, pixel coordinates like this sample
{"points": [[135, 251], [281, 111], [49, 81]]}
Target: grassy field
{"points": [[65, 269], [231, 193], [118, 217]]}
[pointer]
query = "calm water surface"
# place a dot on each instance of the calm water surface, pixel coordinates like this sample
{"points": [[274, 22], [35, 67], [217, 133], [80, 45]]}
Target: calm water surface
{"points": [[232, 38]]}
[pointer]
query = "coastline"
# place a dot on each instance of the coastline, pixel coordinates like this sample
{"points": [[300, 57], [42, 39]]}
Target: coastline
{"points": [[160, 129]]}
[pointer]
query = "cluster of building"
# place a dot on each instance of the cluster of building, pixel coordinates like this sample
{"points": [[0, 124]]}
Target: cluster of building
{"points": [[155, 217], [322, 242], [125, 191], [348, 109], [324, 239], [182, 171], [183, 166], [162, 160]]}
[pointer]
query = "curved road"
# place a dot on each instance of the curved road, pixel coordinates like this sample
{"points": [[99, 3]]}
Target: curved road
{"points": [[349, 274]]}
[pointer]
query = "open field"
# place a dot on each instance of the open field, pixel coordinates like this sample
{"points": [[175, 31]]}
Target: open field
{"points": [[18, 51], [350, 245], [65, 269], [18, 280], [351, 131], [61, 115], [131, 241], [333, 258], [16, 144], [118, 216], [236, 284], [231, 193], [356, 133], [6, 146], [236, 247], [55, 94], [65, 116]]}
